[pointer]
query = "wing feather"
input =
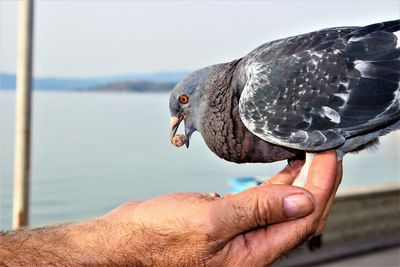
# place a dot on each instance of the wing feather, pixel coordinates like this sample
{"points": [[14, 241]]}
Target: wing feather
{"points": [[313, 91]]}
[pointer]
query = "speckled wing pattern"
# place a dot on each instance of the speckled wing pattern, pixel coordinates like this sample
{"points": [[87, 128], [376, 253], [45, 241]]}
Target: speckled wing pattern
{"points": [[313, 91]]}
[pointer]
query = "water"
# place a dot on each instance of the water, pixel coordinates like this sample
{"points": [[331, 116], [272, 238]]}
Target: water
{"points": [[93, 151]]}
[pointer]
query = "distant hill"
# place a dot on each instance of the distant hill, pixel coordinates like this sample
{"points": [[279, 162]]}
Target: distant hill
{"points": [[135, 86], [153, 82], [7, 81]]}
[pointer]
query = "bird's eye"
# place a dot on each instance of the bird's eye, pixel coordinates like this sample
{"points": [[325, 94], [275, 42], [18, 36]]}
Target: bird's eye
{"points": [[183, 99]]}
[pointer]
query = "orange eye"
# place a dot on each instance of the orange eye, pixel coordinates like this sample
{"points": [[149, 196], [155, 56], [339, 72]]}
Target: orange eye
{"points": [[183, 99]]}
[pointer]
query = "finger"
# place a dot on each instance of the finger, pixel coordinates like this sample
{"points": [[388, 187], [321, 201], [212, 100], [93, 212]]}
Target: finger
{"points": [[325, 215], [287, 175], [321, 178], [258, 207], [287, 235]]}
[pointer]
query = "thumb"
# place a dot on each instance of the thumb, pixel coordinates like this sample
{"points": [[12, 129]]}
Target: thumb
{"points": [[261, 206]]}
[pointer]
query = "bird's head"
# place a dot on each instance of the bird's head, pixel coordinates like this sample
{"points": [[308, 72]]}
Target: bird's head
{"points": [[187, 102]]}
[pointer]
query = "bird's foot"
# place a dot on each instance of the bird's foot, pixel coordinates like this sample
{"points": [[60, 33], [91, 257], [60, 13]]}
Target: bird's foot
{"points": [[301, 178]]}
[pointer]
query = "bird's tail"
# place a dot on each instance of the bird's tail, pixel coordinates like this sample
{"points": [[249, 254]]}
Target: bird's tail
{"points": [[375, 53], [387, 26]]}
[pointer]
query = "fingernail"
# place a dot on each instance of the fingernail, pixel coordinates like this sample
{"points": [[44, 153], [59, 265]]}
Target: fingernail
{"points": [[297, 205]]}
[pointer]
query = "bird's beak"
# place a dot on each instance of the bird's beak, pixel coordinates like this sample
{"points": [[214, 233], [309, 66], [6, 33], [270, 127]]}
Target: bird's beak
{"points": [[189, 129], [174, 122]]}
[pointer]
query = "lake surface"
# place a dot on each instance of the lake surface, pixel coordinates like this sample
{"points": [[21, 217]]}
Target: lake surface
{"points": [[93, 151]]}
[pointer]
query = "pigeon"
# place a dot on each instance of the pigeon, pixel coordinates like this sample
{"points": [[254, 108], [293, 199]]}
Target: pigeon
{"points": [[336, 88]]}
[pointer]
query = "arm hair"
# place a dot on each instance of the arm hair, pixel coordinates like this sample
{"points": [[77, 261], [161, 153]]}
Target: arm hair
{"points": [[60, 245]]}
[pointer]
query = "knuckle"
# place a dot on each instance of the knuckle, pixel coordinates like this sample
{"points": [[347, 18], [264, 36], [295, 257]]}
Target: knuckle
{"points": [[209, 232], [208, 228], [248, 214], [257, 211], [264, 210]]}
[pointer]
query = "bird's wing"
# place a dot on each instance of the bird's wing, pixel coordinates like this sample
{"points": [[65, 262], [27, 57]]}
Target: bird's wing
{"points": [[313, 91]]}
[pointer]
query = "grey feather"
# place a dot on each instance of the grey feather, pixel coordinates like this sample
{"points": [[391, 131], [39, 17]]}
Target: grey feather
{"points": [[333, 88], [336, 84]]}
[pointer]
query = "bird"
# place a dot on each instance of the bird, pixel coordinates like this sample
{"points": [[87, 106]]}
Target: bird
{"points": [[335, 88]]}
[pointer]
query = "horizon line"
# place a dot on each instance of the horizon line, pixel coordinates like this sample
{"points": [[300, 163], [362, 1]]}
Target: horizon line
{"points": [[100, 76]]}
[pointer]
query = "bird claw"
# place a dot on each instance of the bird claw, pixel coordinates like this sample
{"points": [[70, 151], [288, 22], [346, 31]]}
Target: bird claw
{"points": [[290, 162]]}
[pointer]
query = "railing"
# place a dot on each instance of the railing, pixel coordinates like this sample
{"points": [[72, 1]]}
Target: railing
{"points": [[361, 221], [23, 115]]}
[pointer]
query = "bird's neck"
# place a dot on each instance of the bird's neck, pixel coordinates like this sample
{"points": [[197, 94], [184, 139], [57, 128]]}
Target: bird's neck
{"points": [[222, 128]]}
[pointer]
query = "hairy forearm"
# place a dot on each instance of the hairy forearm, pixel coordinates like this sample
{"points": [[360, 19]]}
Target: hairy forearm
{"points": [[62, 245]]}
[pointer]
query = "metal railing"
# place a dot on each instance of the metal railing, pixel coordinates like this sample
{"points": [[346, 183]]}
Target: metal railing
{"points": [[362, 220]]}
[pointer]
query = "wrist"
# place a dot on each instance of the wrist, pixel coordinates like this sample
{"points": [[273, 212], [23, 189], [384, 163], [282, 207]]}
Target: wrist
{"points": [[66, 244], [105, 242], [87, 239]]}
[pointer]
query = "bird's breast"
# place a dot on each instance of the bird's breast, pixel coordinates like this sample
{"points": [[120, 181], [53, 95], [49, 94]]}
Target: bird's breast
{"points": [[223, 130], [226, 135]]}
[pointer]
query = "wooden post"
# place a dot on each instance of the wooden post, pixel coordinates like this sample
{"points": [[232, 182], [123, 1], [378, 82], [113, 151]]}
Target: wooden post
{"points": [[23, 115]]}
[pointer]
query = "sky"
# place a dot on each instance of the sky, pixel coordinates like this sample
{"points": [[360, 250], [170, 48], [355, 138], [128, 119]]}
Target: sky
{"points": [[105, 38]]}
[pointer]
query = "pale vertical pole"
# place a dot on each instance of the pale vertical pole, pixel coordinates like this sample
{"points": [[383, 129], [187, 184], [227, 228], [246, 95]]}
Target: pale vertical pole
{"points": [[23, 115]]}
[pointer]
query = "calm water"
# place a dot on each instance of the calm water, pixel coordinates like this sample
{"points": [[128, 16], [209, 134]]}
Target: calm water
{"points": [[94, 151]]}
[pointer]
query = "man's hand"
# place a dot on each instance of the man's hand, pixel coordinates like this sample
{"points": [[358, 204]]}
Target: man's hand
{"points": [[252, 228]]}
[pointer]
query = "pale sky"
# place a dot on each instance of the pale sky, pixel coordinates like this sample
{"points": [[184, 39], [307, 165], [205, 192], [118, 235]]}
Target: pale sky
{"points": [[103, 38]]}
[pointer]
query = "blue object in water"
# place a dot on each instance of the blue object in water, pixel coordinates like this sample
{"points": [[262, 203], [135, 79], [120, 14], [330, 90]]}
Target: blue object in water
{"points": [[239, 184]]}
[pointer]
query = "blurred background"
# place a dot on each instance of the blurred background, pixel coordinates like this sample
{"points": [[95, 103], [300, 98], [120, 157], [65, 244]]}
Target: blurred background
{"points": [[102, 74]]}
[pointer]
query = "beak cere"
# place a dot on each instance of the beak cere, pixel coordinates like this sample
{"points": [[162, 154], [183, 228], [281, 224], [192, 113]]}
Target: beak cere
{"points": [[177, 140]]}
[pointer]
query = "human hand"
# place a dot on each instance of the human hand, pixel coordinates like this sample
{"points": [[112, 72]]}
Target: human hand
{"points": [[252, 228], [324, 165]]}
